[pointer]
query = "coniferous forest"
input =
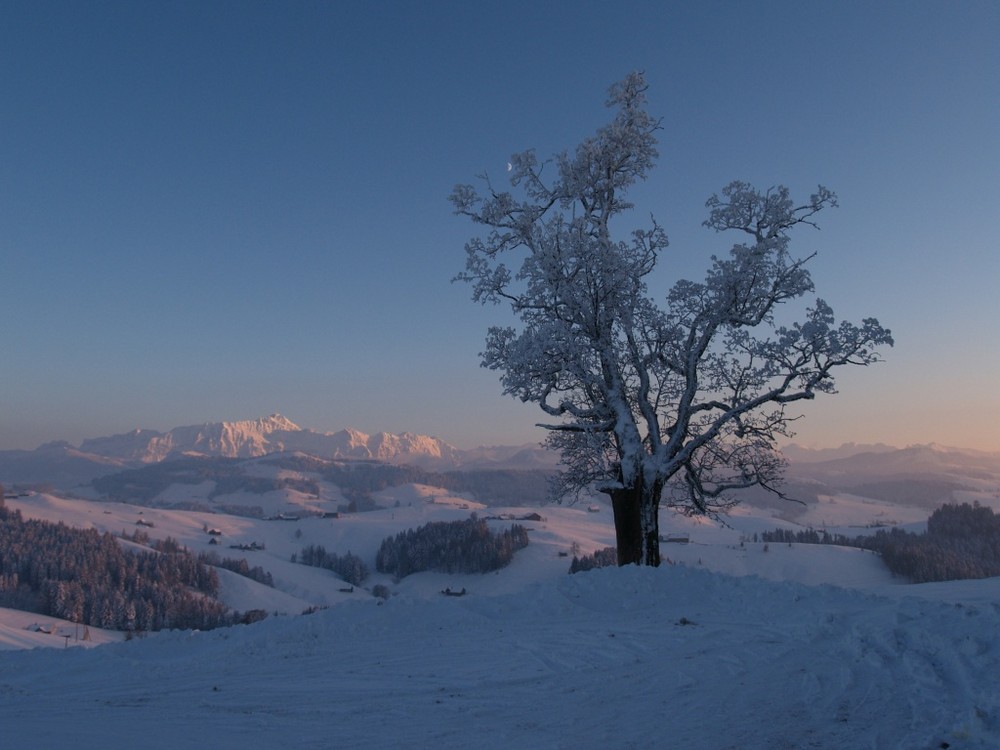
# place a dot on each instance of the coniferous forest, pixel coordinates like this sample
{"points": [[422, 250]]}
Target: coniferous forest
{"points": [[238, 565], [450, 547], [350, 567], [87, 577], [961, 541], [602, 558]]}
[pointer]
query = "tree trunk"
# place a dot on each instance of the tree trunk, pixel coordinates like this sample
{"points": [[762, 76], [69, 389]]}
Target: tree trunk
{"points": [[637, 527]]}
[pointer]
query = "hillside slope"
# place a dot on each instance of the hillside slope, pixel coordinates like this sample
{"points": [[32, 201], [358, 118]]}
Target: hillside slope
{"points": [[621, 658], [683, 656]]}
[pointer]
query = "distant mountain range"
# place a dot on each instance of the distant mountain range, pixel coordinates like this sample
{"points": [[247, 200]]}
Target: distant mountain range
{"points": [[800, 454], [926, 475], [273, 434], [914, 461], [62, 465]]}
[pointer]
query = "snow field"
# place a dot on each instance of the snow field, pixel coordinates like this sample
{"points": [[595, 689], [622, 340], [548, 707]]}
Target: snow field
{"points": [[620, 658], [723, 649]]}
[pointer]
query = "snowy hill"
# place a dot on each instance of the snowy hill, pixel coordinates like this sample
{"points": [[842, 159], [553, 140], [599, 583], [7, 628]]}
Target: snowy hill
{"points": [[300, 483], [58, 464], [615, 658], [728, 645]]}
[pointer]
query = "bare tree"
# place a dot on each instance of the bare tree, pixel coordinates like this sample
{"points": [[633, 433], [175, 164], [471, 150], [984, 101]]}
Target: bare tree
{"points": [[679, 403]]}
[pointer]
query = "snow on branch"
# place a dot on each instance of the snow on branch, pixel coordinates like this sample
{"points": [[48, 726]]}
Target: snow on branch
{"points": [[644, 394]]}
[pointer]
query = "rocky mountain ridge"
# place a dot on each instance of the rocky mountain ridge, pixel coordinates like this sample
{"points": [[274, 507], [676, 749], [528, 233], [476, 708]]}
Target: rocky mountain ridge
{"points": [[272, 434], [923, 474], [60, 464]]}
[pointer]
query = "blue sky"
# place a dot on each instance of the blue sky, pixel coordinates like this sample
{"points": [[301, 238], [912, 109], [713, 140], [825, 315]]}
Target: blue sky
{"points": [[215, 211]]}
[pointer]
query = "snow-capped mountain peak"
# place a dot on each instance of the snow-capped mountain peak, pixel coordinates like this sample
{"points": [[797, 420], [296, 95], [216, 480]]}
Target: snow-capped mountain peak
{"points": [[256, 437]]}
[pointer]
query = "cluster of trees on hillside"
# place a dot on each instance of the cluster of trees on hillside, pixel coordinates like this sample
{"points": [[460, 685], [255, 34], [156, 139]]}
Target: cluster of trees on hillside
{"points": [[602, 558], [961, 541], [807, 536], [450, 547], [238, 565], [350, 567], [87, 577]]}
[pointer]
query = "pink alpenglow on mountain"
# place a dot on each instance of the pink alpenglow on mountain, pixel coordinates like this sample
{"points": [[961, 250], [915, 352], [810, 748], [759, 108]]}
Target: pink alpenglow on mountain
{"points": [[258, 437]]}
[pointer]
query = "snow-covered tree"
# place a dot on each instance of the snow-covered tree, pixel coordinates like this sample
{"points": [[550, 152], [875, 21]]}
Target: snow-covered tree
{"points": [[680, 401]]}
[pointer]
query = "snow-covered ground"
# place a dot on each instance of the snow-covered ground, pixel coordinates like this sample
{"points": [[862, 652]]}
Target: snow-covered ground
{"points": [[730, 646]]}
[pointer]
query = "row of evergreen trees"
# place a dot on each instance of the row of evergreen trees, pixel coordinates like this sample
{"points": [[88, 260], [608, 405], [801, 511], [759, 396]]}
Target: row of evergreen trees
{"points": [[87, 577], [350, 567], [450, 547], [602, 558], [961, 541], [238, 565]]}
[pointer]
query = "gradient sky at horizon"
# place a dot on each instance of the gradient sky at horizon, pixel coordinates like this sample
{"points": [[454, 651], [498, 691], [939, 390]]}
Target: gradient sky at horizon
{"points": [[216, 211]]}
